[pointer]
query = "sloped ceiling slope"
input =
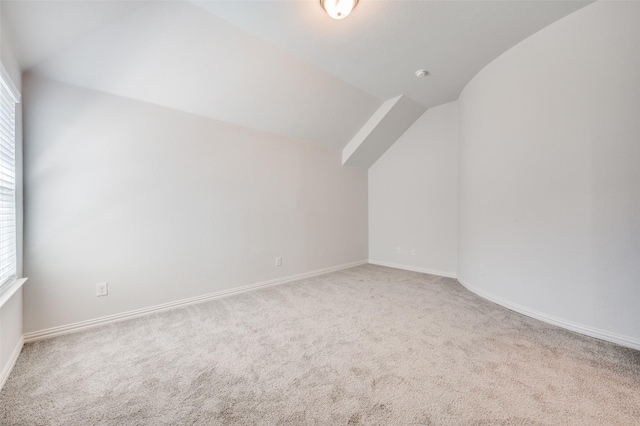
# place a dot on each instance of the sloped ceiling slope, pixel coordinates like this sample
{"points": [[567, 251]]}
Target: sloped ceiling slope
{"points": [[280, 66], [38, 29], [176, 55]]}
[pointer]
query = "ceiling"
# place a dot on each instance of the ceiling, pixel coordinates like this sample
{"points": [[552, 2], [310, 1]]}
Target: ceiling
{"points": [[280, 66]]}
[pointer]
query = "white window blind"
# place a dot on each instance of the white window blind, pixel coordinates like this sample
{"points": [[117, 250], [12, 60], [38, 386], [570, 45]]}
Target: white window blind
{"points": [[8, 256]]}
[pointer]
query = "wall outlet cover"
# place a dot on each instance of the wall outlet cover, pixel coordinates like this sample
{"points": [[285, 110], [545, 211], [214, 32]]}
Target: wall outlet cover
{"points": [[102, 289]]}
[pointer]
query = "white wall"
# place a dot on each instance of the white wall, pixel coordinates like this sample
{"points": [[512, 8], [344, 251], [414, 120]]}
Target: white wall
{"points": [[164, 205], [413, 196], [550, 172], [11, 310]]}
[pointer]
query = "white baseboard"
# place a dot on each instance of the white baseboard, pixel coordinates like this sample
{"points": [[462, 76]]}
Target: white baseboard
{"points": [[4, 375], [413, 269], [83, 325], [621, 340]]}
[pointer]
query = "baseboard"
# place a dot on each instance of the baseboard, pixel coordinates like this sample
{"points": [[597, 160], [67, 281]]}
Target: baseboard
{"points": [[6, 371], [83, 325], [618, 339], [413, 269]]}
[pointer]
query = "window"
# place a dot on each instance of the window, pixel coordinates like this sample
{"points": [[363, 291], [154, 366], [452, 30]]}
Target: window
{"points": [[8, 98]]}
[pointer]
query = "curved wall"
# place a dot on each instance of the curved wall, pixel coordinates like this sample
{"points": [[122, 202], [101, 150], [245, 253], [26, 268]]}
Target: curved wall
{"points": [[549, 196]]}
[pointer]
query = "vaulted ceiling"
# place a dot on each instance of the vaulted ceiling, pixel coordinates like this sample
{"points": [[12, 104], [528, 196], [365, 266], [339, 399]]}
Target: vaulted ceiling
{"points": [[280, 66]]}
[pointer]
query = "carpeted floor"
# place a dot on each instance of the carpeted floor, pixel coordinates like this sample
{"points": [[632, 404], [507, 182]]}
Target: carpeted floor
{"points": [[368, 345]]}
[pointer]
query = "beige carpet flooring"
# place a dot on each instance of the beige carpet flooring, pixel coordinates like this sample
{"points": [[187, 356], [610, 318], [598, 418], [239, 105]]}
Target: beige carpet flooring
{"points": [[364, 346]]}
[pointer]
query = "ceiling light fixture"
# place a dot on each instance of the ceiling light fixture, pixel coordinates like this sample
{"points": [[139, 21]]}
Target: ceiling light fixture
{"points": [[422, 73], [338, 9]]}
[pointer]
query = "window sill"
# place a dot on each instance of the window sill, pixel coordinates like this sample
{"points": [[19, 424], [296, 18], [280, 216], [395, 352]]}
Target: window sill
{"points": [[10, 289]]}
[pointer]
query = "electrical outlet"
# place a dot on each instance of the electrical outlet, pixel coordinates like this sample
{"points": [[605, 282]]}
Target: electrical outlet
{"points": [[278, 261], [102, 289], [482, 270], [413, 252], [398, 250]]}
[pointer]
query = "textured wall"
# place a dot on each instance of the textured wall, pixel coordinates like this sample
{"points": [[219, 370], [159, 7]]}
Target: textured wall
{"points": [[413, 196], [165, 205], [549, 172]]}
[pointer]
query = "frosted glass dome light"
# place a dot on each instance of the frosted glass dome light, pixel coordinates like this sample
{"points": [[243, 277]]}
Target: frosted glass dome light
{"points": [[338, 9]]}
